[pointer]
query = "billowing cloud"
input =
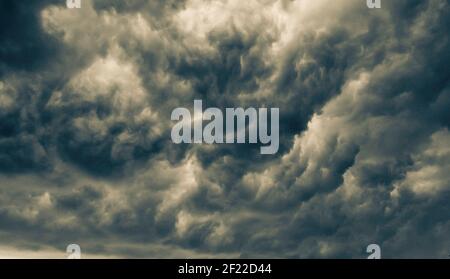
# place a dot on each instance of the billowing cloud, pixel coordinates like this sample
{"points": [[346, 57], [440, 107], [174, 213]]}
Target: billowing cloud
{"points": [[85, 150]]}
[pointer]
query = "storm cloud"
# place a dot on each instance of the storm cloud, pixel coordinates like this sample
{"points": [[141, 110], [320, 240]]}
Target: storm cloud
{"points": [[86, 155]]}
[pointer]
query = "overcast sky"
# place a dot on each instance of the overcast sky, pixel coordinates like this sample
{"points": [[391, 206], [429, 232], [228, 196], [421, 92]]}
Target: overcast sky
{"points": [[86, 155]]}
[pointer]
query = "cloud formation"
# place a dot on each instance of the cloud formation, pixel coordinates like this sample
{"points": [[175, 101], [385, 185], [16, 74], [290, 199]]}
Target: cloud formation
{"points": [[85, 150]]}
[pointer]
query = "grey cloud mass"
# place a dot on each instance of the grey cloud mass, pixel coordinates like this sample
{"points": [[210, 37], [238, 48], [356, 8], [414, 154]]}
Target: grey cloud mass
{"points": [[85, 150]]}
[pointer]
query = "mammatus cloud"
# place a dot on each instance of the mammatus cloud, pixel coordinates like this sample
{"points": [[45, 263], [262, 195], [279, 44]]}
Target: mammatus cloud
{"points": [[85, 149]]}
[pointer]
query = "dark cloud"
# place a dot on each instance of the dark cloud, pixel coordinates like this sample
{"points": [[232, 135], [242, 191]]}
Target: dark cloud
{"points": [[85, 150], [25, 46]]}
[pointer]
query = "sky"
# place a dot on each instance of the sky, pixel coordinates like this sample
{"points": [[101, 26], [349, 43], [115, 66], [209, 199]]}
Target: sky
{"points": [[86, 155]]}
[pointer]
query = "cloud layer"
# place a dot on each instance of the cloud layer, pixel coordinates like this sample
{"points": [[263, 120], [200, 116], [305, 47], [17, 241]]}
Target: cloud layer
{"points": [[85, 151]]}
